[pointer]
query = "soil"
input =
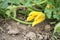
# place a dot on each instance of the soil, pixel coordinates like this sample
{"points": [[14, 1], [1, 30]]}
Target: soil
{"points": [[12, 30]]}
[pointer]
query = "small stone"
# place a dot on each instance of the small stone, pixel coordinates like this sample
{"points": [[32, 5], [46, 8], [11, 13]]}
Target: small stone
{"points": [[47, 27], [40, 37], [29, 25], [31, 35], [1, 29], [13, 30], [46, 37]]}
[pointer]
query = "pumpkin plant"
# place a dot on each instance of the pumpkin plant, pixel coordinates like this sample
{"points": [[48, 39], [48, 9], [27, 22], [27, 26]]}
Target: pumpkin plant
{"points": [[36, 10]]}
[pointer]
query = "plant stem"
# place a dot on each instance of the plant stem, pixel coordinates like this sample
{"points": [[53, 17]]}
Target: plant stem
{"points": [[43, 2], [35, 9], [39, 4], [21, 21]]}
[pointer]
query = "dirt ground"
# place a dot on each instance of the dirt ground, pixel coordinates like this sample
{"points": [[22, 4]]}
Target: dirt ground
{"points": [[11, 30]]}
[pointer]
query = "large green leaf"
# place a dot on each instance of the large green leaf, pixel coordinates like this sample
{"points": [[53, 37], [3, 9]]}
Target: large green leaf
{"points": [[27, 3], [57, 28], [15, 1], [57, 3], [48, 13], [56, 13], [56, 16], [4, 4], [37, 1], [51, 2]]}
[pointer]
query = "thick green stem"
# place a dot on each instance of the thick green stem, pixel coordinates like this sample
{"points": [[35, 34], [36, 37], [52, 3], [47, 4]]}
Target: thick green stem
{"points": [[39, 5], [21, 21], [35, 9], [14, 13], [43, 2], [30, 9]]}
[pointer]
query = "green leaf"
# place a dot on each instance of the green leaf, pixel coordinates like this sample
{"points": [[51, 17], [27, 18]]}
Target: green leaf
{"points": [[55, 34], [57, 3], [57, 28], [37, 1], [27, 3], [56, 15], [4, 4], [48, 12], [51, 2], [15, 1], [8, 13]]}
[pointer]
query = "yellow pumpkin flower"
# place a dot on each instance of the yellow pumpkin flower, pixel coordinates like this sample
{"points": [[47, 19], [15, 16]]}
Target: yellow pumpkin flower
{"points": [[32, 15], [38, 19], [37, 16]]}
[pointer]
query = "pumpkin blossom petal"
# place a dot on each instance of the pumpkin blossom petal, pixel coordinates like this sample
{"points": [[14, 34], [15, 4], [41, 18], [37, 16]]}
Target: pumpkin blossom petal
{"points": [[30, 18], [38, 19], [32, 15], [41, 15]]}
